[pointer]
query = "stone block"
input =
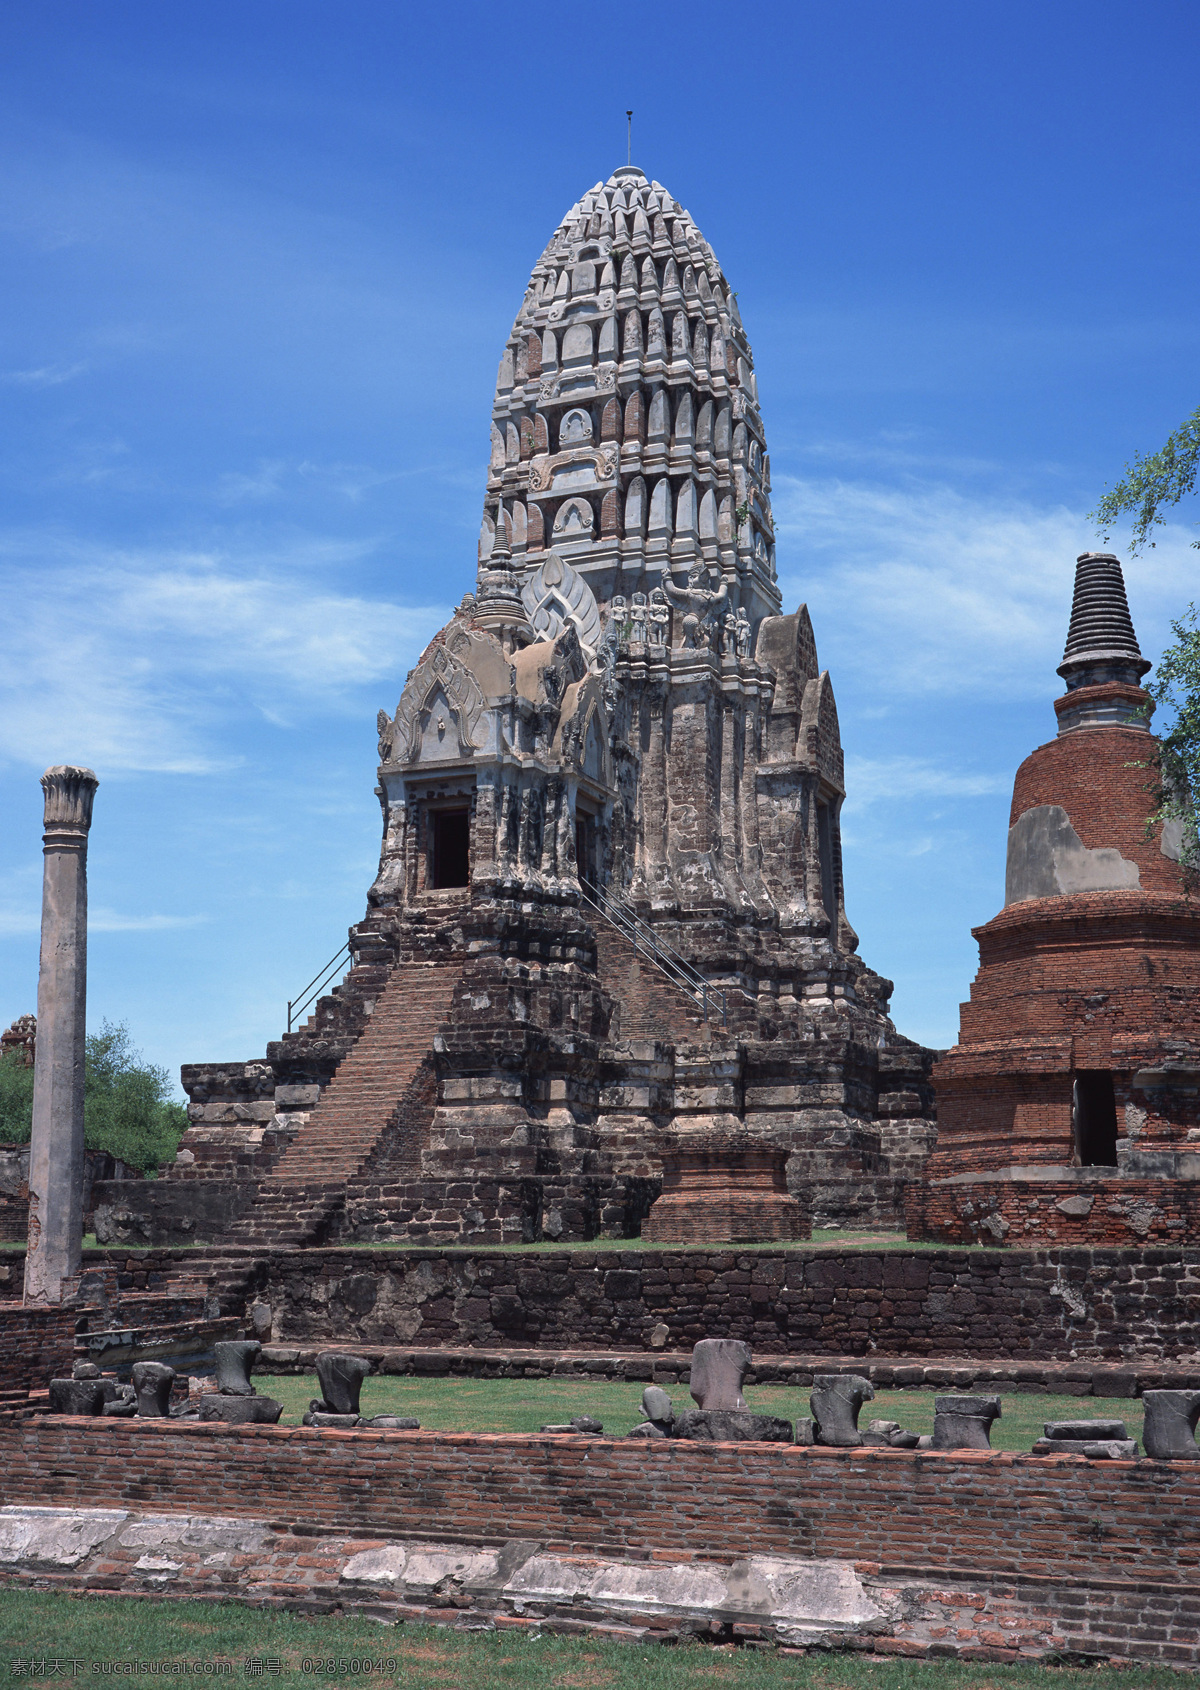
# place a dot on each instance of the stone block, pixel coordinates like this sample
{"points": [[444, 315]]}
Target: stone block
{"points": [[728, 1425], [241, 1411], [964, 1422], [78, 1396]]}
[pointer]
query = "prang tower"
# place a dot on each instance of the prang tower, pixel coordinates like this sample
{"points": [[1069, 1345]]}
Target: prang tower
{"points": [[609, 917]]}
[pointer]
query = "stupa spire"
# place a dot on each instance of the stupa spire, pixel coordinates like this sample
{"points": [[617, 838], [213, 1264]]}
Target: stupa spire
{"points": [[1100, 638], [1103, 663]]}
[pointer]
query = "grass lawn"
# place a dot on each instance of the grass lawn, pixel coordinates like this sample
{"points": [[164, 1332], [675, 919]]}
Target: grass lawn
{"points": [[523, 1405], [270, 1648]]}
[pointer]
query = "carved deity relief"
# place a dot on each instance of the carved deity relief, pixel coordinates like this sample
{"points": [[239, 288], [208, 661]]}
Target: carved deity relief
{"points": [[658, 618], [698, 603]]}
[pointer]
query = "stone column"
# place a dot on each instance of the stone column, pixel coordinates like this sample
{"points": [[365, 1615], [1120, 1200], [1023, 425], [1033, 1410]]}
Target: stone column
{"points": [[56, 1148]]}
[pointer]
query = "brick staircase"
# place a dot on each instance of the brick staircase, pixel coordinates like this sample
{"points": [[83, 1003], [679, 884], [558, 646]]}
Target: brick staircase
{"points": [[300, 1203], [649, 1006]]}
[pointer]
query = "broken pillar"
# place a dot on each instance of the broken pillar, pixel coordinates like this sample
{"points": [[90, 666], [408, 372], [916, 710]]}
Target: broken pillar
{"points": [[56, 1165]]}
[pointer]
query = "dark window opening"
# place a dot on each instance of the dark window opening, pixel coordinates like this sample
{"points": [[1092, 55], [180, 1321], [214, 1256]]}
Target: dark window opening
{"points": [[1095, 1112], [585, 847], [825, 848], [451, 848]]}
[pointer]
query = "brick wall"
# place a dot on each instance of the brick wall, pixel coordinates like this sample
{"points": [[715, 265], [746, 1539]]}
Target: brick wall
{"points": [[956, 1514], [36, 1345]]}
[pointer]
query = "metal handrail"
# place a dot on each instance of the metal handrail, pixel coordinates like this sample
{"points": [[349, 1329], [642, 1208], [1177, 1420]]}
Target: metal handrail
{"points": [[315, 986], [665, 957]]}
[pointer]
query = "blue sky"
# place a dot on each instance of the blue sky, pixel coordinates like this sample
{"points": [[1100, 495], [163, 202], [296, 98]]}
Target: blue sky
{"points": [[257, 263]]}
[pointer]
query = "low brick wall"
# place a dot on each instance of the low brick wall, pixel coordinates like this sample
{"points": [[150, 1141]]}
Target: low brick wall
{"points": [[1070, 1538], [36, 1345]]}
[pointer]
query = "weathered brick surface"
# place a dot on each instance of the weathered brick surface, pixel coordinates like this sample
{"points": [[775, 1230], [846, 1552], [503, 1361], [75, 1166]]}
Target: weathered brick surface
{"points": [[955, 1513], [36, 1345]]}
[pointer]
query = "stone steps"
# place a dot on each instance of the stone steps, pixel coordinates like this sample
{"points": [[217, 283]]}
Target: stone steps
{"points": [[307, 1187]]}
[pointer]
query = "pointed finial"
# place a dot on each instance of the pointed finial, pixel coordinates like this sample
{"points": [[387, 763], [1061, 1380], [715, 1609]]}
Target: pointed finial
{"points": [[500, 550], [628, 137]]}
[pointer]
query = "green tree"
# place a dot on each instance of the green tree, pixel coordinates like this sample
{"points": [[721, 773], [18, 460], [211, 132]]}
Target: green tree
{"points": [[1150, 484], [127, 1106], [1148, 487], [1176, 686]]}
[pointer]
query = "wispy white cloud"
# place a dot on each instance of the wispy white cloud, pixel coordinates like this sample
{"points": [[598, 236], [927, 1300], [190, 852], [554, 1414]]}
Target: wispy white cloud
{"points": [[112, 921], [17, 919], [152, 660], [934, 591], [48, 375], [872, 780]]}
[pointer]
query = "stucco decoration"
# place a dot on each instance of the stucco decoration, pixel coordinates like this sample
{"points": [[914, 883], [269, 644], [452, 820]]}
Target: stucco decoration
{"points": [[1047, 859], [556, 594], [441, 711]]}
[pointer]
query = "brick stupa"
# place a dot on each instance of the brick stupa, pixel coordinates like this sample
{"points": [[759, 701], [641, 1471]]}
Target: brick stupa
{"points": [[1069, 1110]]}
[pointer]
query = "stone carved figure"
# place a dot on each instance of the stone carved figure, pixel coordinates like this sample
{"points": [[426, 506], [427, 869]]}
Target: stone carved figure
{"points": [[341, 1379], [152, 1381], [743, 632], [835, 1402], [1169, 1432], [658, 619], [637, 619], [729, 634], [386, 730], [235, 1400], [698, 603], [234, 1358]]}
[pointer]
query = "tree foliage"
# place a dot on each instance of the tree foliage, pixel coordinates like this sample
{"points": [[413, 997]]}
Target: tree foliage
{"points": [[1152, 483], [1176, 686], [127, 1107]]}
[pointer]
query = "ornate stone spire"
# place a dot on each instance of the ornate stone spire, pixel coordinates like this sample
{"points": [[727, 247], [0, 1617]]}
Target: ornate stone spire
{"points": [[626, 434]]}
